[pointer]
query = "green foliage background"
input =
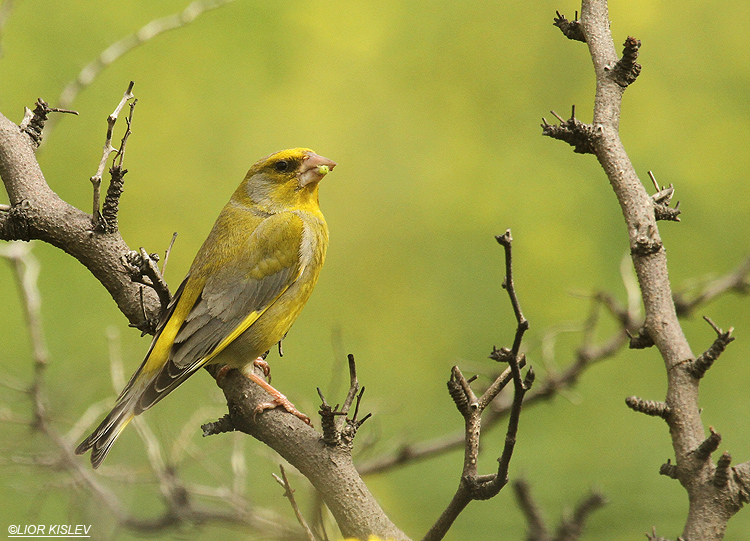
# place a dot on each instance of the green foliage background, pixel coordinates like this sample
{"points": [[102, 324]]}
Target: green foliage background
{"points": [[432, 111]]}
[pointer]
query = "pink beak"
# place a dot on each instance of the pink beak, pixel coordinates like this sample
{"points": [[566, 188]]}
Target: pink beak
{"points": [[314, 168]]}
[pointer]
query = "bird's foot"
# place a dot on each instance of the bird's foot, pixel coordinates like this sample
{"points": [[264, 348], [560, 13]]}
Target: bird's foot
{"points": [[221, 374], [261, 363], [284, 402], [278, 398]]}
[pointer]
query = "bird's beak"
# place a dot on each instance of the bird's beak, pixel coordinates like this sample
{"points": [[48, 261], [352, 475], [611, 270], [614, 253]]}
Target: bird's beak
{"points": [[314, 168]]}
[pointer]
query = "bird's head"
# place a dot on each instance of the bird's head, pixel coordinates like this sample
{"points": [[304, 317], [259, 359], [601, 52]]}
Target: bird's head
{"points": [[284, 180]]}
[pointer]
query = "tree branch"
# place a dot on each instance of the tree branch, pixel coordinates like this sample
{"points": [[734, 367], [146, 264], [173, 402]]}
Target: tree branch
{"points": [[473, 486], [125, 45], [328, 467], [36, 212], [179, 499], [709, 508]]}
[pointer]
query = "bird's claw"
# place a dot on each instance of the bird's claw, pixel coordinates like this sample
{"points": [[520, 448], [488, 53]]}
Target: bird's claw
{"points": [[221, 374], [261, 363], [284, 403]]}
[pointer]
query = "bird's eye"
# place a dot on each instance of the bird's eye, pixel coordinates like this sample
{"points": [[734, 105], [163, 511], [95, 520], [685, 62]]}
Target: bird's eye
{"points": [[282, 165]]}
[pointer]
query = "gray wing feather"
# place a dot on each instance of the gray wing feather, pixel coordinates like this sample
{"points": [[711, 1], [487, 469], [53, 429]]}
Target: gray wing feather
{"points": [[218, 312]]}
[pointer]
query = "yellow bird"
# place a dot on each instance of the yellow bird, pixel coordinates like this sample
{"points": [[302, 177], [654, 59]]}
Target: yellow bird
{"points": [[246, 286]]}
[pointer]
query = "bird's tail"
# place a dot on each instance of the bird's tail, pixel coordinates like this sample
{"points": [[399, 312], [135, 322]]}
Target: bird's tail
{"points": [[101, 440]]}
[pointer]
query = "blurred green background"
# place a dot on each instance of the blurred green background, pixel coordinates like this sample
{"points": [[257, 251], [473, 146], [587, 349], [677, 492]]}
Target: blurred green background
{"points": [[432, 111]]}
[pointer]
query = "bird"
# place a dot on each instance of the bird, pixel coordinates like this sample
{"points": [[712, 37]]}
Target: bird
{"points": [[246, 286]]}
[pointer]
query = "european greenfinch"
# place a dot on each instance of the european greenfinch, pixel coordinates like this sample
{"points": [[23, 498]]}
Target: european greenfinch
{"points": [[246, 286]]}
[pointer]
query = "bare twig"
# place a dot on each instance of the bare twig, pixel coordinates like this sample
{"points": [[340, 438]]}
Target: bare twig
{"points": [[705, 360], [571, 29], [649, 407], [289, 495], [144, 269], [179, 508], [117, 179], [34, 121], [128, 43], [166, 254], [570, 529], [734, 281], [338, 427], [472, 485], [709, 508], [108, 149], [572, 131], [662, 198], [626, 69]]}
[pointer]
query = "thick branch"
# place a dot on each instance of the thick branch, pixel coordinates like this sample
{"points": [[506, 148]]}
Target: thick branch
{"points": [[328, 468], [38, 213], [709, 509]]}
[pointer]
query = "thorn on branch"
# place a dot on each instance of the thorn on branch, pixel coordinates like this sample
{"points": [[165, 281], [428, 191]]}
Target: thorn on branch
{"points": [[224, 424], [649, 407], [642, 340], [574, 132], [708, 446], [661, 199], [626, 70], [723, 470], [571, 29], [33, 121], [349, 431], [698, 367], [669, 469]]}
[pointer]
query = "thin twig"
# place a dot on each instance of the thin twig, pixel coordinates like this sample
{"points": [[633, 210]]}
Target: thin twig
{"points": [[128, 43], [6, 8], [108, 149], [289, 494], [537, 529], [166, 254], [482, 487], [734, 281], [108, 221]]}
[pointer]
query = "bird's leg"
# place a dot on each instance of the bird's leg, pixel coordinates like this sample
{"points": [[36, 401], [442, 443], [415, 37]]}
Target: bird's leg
{"points": [[261, 363], [221, 373], [278, 398]]}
